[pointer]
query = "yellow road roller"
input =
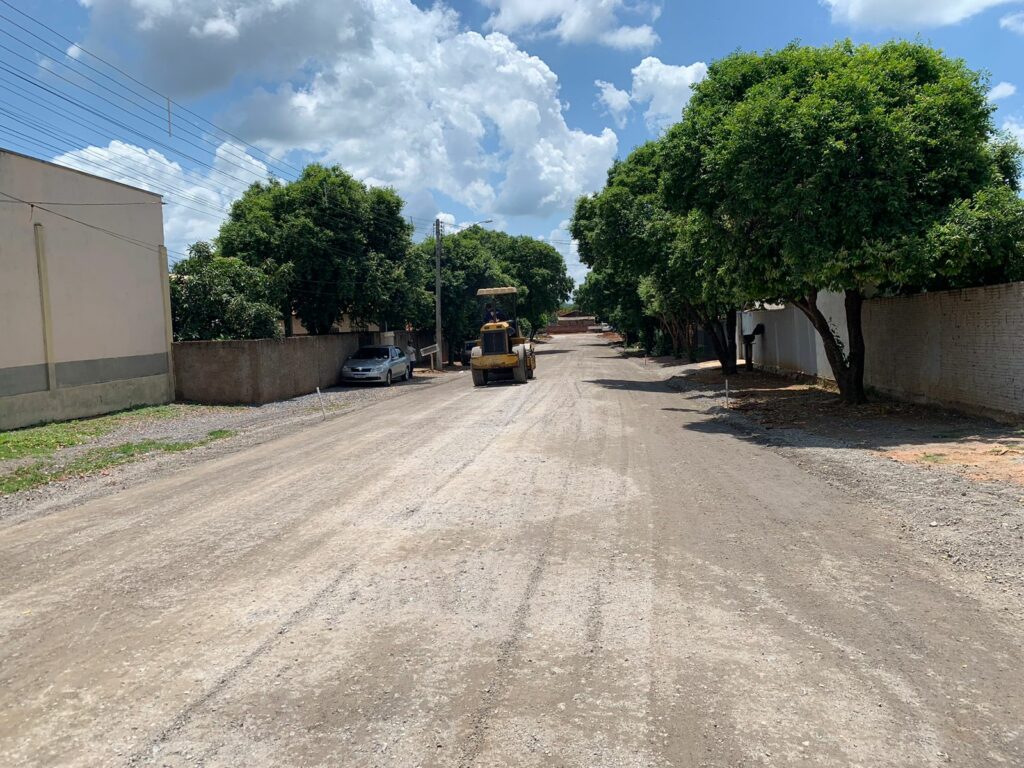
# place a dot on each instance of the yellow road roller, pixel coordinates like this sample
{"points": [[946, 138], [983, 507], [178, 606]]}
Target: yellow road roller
{"points": [[502, 352]]}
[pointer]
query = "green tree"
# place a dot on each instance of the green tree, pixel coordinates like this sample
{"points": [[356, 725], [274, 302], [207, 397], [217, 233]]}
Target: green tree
{"points": [[656, 265], [220, 298], [468, 265], [536, 268], [331, 246], [826, 168]]}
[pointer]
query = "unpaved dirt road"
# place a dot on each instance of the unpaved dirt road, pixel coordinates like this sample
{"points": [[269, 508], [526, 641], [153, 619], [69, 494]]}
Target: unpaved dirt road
{"points": [[576, 572]]}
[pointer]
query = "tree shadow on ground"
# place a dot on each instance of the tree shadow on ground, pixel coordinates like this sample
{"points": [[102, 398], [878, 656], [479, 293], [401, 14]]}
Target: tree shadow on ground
{"points": [[634, 385], [773, 410]]}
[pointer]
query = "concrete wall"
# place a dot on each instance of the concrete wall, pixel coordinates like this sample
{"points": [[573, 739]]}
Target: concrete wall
{"points": [[84, 309], [961, 349], [263, 370]]}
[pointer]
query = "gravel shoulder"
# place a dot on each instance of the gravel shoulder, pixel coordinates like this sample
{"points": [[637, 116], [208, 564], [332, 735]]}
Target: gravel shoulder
{"points": [[205, 432], [970, 517], [589, 570]]}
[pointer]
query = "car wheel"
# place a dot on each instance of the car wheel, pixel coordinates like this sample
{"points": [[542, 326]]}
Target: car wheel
{"points": [[387, 378]]}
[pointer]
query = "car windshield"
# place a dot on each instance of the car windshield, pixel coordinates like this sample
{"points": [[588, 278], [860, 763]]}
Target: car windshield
{"points": [[371, 353]]}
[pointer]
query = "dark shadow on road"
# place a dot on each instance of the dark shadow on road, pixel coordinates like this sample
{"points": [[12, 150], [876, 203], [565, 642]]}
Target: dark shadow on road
{"points": [[554, 351], [771, 410], [630, 384]]}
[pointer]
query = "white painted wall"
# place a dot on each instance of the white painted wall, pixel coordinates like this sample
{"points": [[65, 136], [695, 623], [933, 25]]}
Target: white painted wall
{"points": [[962, 349], [106, 276]]}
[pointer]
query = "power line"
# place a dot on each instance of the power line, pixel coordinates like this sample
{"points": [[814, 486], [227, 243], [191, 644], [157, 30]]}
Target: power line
{"points": [[70, 139], [138, 82], [111, 233], [99, 166], [213, 144], [37, 83]]}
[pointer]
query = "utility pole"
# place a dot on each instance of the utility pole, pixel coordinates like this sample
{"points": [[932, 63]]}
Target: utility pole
{"points": [[437, 295]]}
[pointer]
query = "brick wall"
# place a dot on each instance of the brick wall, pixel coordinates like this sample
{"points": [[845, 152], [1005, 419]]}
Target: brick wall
{"points": [[962, 349], [261, 370]]}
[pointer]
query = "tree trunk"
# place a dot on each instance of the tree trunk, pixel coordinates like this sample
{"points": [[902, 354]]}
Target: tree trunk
{"points": [[730, 344], [724, 350], [691, 336], [848, 370], [648, 335], [855, 330], [716, 341]]}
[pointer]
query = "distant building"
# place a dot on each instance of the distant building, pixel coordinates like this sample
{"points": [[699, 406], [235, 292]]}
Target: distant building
{"points": [[572, 321], [84, 304]]}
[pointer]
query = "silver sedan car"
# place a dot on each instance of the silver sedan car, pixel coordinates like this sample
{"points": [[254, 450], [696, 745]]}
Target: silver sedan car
{"points": [[381, 364]]}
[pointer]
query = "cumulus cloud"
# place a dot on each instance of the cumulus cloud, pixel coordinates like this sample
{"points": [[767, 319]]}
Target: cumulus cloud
{"points": [[1015, 128], [904, 13], [189, 47], [616, 101], [195, 200], [1002, 91], [664, 88], [1014, 22], [562, 242], [578, 21], [395, 94]]}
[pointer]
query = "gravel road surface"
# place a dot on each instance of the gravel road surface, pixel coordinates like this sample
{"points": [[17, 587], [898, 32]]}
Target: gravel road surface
{"points": [[576, 572]]}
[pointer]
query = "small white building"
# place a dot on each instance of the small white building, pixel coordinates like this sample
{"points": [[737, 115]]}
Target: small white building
{"points": [[85, 323]]}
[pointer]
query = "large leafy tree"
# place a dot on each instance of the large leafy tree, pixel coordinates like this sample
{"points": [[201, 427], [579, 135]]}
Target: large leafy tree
{"points": [[831, 168], [476, 258], [662, 261], [220, 298], [468, 266], [331, 246], [533, 266]]}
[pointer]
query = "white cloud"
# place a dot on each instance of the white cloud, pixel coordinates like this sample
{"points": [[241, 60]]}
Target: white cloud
{"points": [[1015, 128], [1002, 91], [904, 13], [562, 242], [189, 47], [664, 88], [397, 95], [578, 21], [195, 199], [1014, 22], [615, 101]]}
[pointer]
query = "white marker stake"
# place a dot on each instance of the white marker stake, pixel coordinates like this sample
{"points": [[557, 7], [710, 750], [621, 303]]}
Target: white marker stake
{"points": [[322, 409], [727, 393]]}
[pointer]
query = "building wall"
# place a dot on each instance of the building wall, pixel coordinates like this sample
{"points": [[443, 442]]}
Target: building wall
{"points": [[98, 274], [261, 370], [961, 349]]}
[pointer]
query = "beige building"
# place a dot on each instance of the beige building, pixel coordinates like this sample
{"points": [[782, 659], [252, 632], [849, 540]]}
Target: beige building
{"points": [[84, 306]]}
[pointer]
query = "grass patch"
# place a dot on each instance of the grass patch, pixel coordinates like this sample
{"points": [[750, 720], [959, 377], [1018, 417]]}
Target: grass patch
{"points": [[933, 458], [97, 460], [50, 438]]}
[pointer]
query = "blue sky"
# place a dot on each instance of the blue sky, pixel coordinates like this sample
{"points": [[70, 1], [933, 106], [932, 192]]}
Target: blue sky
{"points": [[497, 109]]}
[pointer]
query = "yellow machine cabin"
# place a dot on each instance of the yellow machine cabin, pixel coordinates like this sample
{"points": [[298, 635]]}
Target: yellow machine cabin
{"points": [[502, 352]]}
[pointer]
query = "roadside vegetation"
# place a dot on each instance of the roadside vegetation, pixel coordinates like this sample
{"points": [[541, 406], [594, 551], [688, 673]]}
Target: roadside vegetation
{"points": [[96, 460], [35, 456], [47, 439], [326, 246], [864, 170]]}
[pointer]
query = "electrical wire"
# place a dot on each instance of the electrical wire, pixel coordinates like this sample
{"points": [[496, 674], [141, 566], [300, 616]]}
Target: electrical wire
{"points": [[136, 81]]}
